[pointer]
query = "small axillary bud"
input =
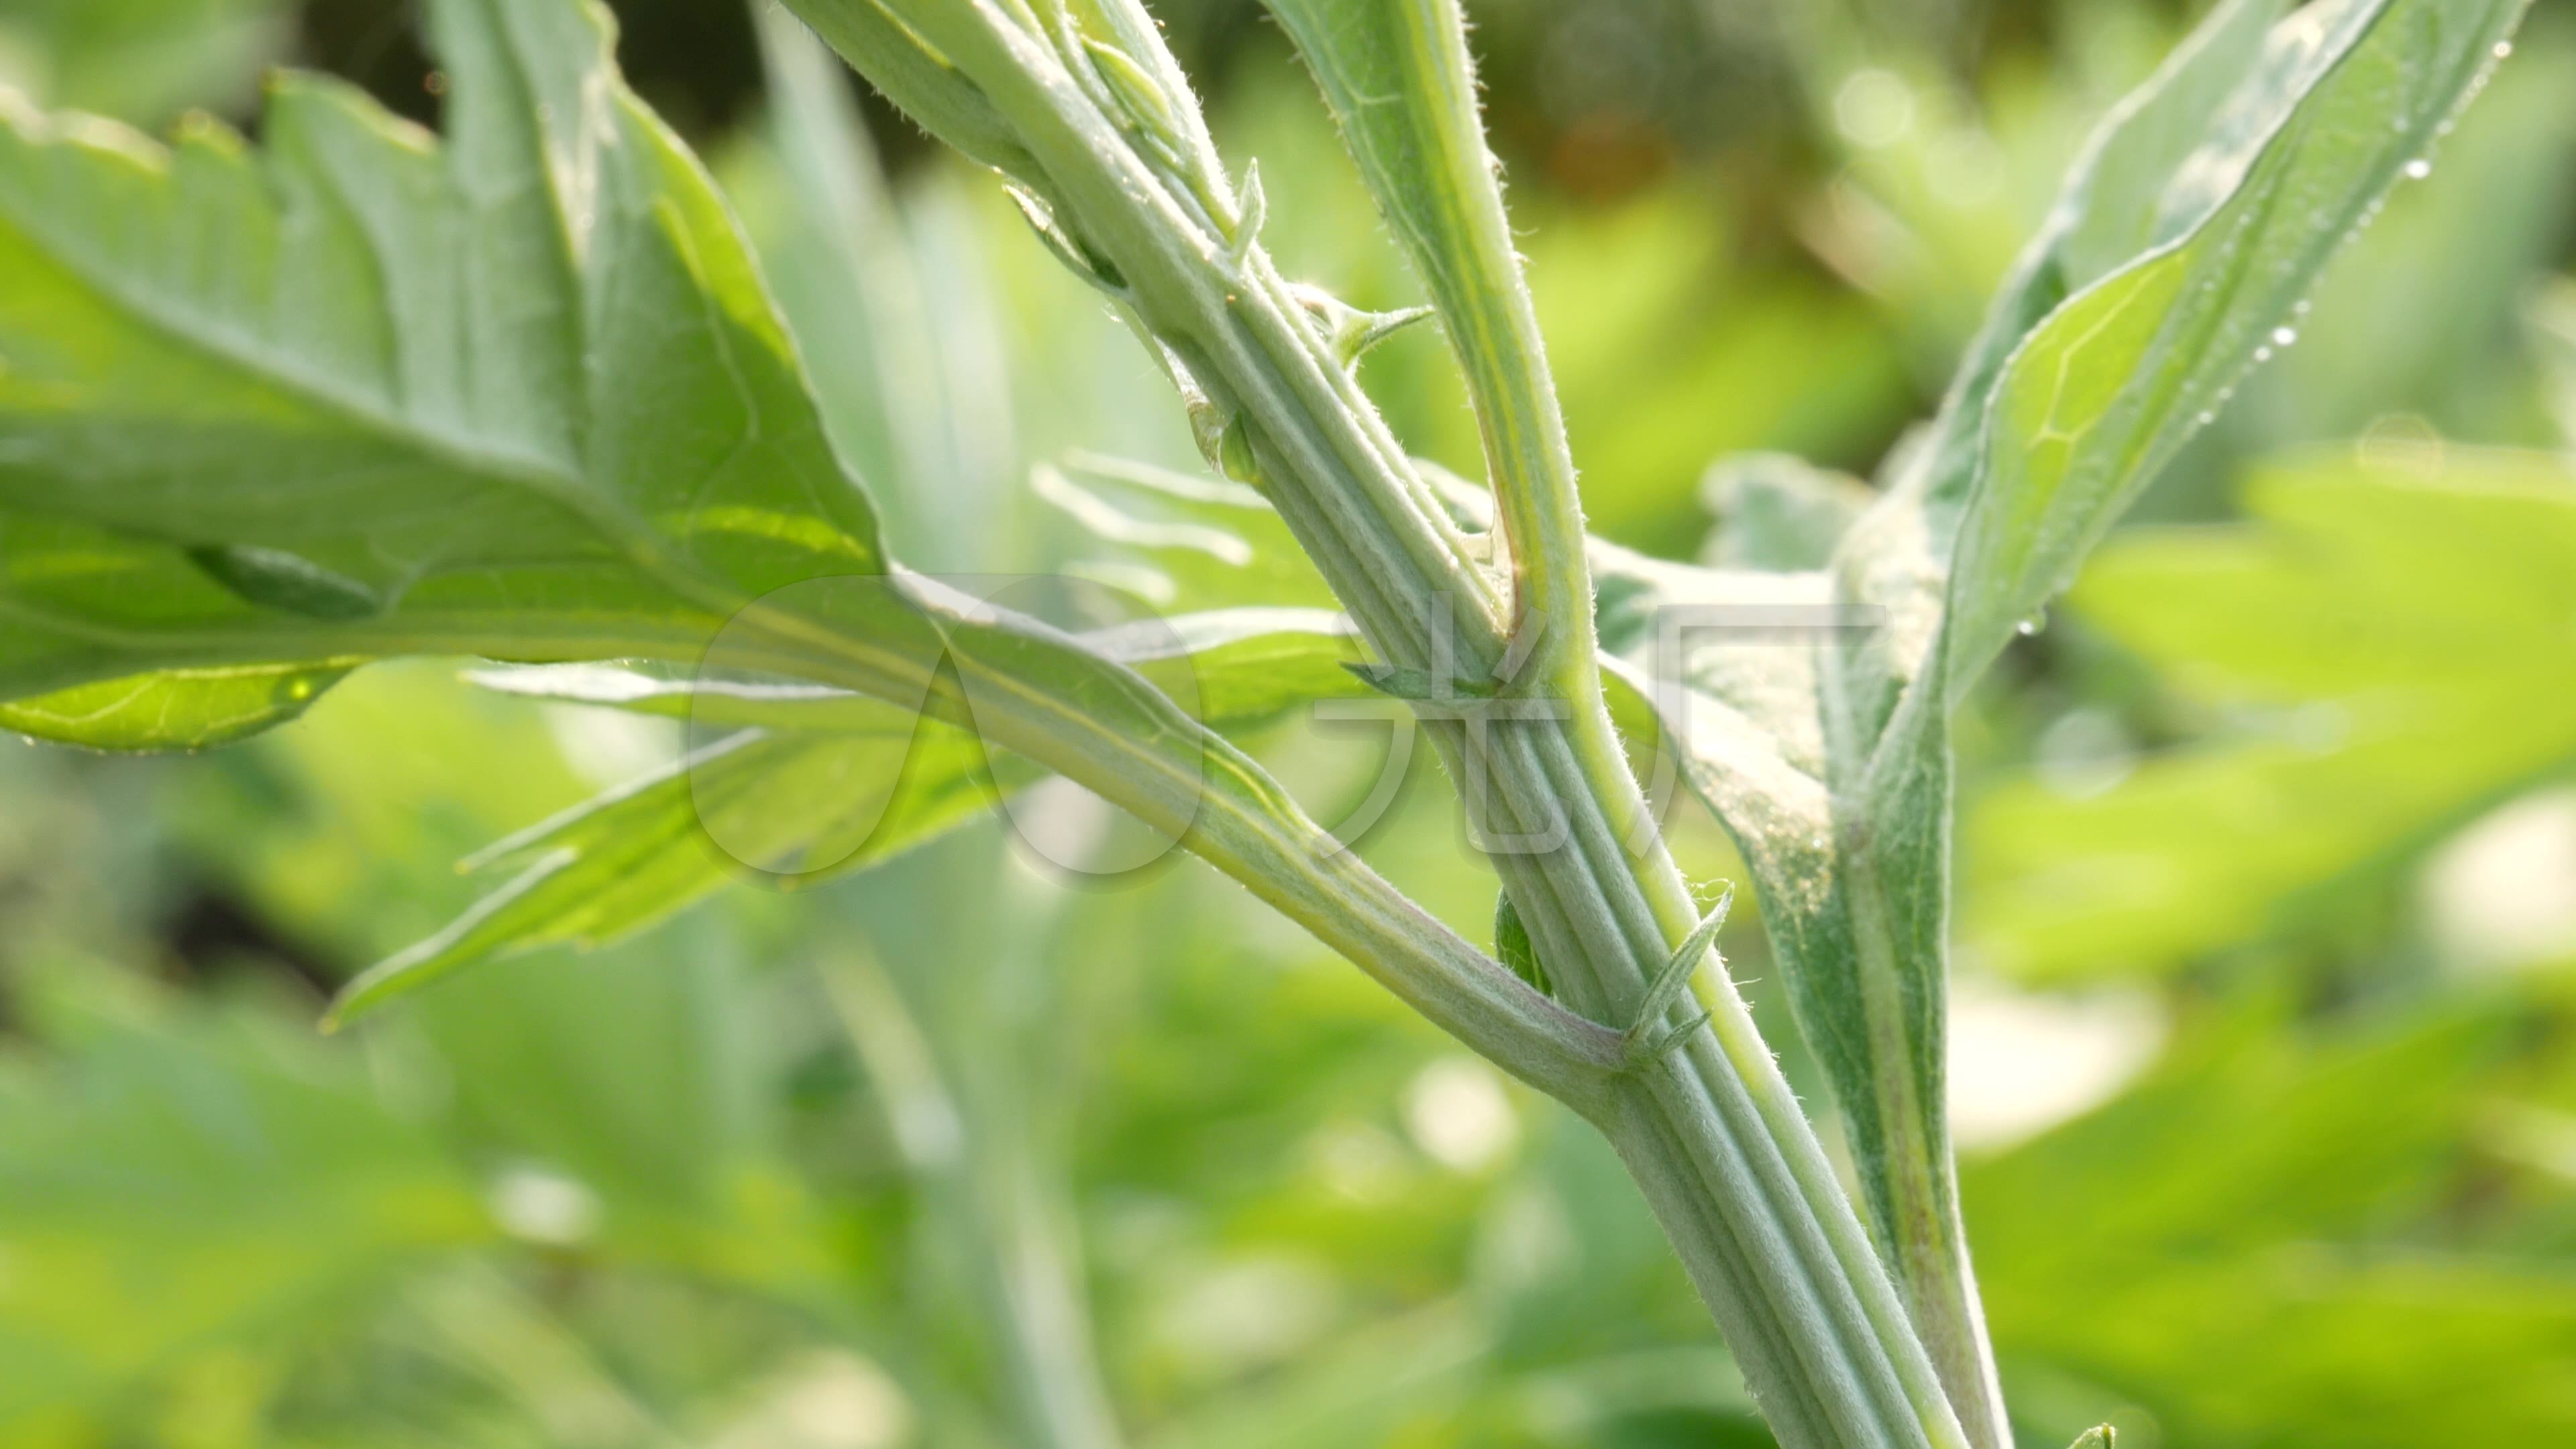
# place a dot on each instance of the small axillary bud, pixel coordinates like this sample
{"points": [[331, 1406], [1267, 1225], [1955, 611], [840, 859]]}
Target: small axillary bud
{"points": [[1234, 454], [1347, 330], [1421, 686], [1067, 248], [1225, 437], [1139, 95], [1250, 212]]}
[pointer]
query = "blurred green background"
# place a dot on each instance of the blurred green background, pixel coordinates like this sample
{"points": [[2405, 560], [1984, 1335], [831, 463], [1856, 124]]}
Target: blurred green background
{"points": [[2265, 1030]]}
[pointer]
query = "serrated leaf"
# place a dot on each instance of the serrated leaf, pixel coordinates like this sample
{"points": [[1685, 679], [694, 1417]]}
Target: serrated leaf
{"points": [[799, 805], [173, 1176], [2296, 1278], [526, 389], [518, 394]]}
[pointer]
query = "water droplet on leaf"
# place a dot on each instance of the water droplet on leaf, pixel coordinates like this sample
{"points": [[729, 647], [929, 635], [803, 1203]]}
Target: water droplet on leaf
{"points": [[2285, 336], [2418, 169]]}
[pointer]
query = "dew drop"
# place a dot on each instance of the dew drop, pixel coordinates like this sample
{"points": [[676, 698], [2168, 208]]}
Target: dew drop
{"points": [[2304, 307], [2030, 627], [2503, 49], [2207, 417], [2418, 169], [2262, 354], [2285, 336]]}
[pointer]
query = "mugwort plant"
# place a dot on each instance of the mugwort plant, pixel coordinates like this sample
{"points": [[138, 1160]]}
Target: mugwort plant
{"points": [[269, 414]]}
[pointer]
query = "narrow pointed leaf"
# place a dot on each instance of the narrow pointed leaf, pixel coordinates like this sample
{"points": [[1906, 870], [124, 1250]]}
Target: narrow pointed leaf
{"points": [[177, 709], [2176, 263], [815, 782]]}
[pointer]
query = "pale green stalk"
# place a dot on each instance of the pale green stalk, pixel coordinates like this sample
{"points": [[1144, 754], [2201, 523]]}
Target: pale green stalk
{"points": [[1710, 1129], [992, 1196]]}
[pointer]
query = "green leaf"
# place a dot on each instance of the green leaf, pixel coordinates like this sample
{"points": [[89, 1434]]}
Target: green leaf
{"points": [[800, 806], [1778, 512], [815, 782], [2406, 638], [520, 394], [527, 391], [182, 709], [894, 333], [2347, 98], [1178, 541], [2206, 209], [1512, 944]]}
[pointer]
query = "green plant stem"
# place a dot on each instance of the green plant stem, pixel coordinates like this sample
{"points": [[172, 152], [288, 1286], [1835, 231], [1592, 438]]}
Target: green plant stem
{"points": [[1757, 1215], [1733, 1169], [1287, 860], [1917, 1193]]}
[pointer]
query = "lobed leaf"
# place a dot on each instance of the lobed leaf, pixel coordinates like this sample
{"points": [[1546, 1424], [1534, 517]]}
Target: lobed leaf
{"points": [[357, 393], [522, 394]]}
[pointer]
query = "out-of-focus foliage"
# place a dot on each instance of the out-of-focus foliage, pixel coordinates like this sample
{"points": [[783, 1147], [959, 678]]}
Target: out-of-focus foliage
{"points": [[2391, 633], [146, 59], [949, 1155]]}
